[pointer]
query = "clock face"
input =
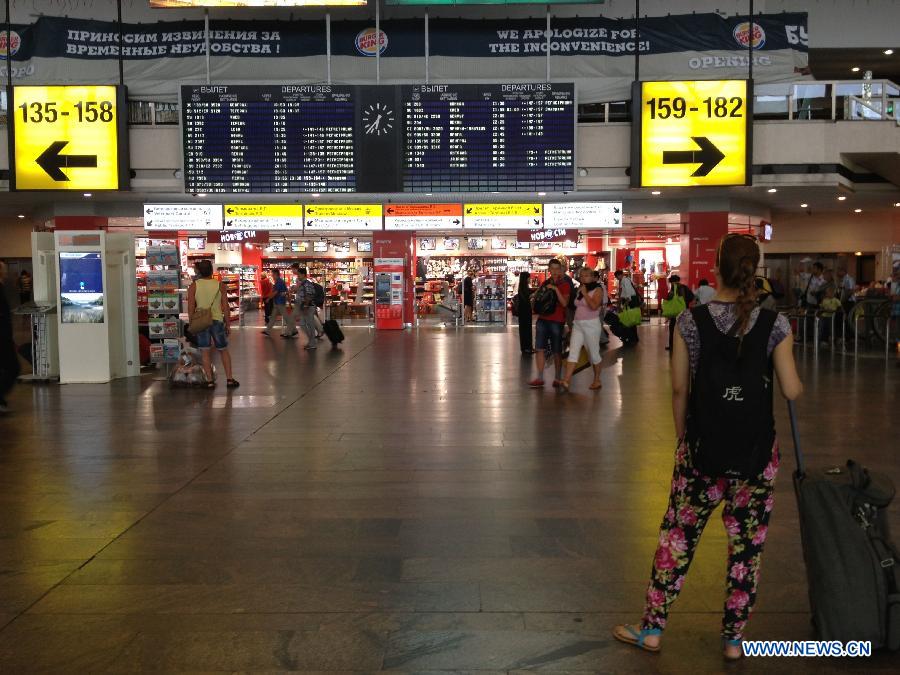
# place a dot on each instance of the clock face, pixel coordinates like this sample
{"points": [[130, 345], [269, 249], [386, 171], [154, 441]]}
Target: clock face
{"points": [[378, 119]]}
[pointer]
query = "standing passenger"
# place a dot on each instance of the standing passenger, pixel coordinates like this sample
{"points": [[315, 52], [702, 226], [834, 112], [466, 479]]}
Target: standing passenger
{"points": [[210, 293], [523, 309], [722, 366]]}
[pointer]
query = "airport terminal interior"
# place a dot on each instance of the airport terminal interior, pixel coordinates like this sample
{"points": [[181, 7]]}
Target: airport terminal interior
{"points": [[425, 336]]}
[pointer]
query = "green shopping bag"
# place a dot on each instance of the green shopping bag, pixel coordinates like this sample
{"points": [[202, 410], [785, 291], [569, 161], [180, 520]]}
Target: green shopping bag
{"points": [[672, 308], [630, 317]]}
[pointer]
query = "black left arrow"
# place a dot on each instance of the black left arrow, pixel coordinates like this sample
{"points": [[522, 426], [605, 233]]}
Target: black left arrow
{"points": [[708, 156], [52, 162]]}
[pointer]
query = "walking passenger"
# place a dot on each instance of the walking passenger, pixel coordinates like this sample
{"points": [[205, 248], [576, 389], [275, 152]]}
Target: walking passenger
{"points": [[522, 300], [704, 292], [211, 294], [586, 327], [554, 297], [305, 301], [677, 288], [724, 356], [9, 359], [280, 308]]}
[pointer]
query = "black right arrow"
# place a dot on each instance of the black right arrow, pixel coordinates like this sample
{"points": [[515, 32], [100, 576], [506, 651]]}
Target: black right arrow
{"points": [[708, 156], [52, 162], [455, 222]]}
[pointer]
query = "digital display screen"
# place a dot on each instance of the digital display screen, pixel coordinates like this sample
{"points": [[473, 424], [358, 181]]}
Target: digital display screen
{"points": [[320, 246], [427, 244], [451, 244], [475, 244], [170, 4], [81, 287], [368, 138], [364, 246], [196, 243]]}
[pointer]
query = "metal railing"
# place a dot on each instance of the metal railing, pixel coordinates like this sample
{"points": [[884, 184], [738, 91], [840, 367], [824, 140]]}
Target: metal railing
{"points": [[807, 100], [871, 321]]}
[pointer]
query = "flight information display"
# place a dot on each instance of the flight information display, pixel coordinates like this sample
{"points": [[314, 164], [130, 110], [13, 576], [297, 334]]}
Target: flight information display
{"points": [[496, 138], [422, 138], [268, 139]]}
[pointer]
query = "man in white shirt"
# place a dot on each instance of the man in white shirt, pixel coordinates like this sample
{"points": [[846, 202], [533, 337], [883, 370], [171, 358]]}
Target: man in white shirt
{"points": [[704, 292], [814, 285], [845, 285]]}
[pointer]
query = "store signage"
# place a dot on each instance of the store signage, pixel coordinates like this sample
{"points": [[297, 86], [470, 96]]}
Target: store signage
{"points": [[415, 217], [503, 216], [342, 217], [174, 217], [238, 237], [263, 217], [68, 138], [691, 133], [553, 234], [583, 215]]}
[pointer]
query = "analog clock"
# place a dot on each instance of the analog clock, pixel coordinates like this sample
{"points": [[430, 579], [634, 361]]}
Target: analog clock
{"points": [[378, 119]]}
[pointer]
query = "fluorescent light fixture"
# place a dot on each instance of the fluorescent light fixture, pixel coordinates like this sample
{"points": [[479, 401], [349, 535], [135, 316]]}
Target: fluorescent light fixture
{"points": [[656, 192], [773, 190], [842, 198], [854, 69], [804, 205], [21, 215], [542, 194], [857, 210], [316, 195], [88, 194]]}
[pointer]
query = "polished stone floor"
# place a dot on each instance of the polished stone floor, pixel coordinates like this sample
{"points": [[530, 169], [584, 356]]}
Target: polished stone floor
{"points": [[402, 504]]}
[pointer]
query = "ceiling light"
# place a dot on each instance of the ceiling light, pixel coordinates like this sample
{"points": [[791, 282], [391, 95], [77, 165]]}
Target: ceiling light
{"points": [[772, 190], [896, 203], [622, 241], [201, 194], [857, 210], [854, 69], [21, 215], [841, 198], [542, 194], [87, 194], [803, 206], [315, 195], [656, 192], [888, 52], [858, 253]]}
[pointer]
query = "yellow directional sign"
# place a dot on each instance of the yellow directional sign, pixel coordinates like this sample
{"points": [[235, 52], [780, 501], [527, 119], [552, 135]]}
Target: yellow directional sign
{"points": [[264, 210], [504, 209], [691, 133], [343, 210], [68, 138]]}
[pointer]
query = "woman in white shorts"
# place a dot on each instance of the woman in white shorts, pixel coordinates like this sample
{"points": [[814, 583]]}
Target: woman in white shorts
{"points": [[587, 328]]}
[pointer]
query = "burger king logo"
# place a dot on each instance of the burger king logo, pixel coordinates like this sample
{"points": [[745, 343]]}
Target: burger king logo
{"points": [[742, 35], [12, 48], [368, 41]]}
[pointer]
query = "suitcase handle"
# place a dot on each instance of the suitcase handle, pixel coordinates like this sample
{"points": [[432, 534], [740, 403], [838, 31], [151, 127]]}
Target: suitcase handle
{"points": [[792, 412]]}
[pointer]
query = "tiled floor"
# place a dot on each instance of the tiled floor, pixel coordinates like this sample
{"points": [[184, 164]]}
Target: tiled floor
{"points": [[404, 503]]}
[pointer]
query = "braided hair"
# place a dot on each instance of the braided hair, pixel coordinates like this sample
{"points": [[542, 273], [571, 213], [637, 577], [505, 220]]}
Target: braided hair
{"points": [[737, 260]]}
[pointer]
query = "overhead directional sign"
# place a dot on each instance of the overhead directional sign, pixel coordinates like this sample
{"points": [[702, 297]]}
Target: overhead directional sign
{"points": [[583, 215], [503, 216], [692, 133], [171, 217], [423, 216], [263, 217], [346, 217], [68, 138]]}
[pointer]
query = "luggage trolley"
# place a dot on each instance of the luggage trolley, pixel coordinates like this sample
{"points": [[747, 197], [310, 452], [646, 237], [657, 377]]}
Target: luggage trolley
{"points": [[40, 340]]}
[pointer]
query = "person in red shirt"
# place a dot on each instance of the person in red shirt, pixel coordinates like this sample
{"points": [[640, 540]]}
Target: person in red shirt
{"points": [[267, 292], [549, 328]]}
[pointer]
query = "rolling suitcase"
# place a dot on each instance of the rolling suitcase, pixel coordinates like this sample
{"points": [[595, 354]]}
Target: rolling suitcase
{"points": [[333, 332], [852, 568]]}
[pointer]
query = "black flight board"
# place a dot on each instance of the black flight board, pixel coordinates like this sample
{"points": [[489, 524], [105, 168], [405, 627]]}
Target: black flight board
{"points": [[494, 137], [422, 138]]}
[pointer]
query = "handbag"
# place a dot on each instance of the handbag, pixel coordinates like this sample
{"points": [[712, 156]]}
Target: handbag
{"points": [[675, 305], [202, 318], [630, 317]]}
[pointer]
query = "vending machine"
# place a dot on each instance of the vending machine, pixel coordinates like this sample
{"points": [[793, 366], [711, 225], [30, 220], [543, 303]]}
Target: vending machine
{"points": [[389, 293]]}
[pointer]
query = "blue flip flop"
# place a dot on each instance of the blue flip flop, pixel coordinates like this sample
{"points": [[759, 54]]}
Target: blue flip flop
{"points": [[629, 635]]}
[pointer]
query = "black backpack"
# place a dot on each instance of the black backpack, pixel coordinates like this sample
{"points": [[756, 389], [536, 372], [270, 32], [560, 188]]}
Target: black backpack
{"points": [[319, 295], [730, 425], [545, 300]]}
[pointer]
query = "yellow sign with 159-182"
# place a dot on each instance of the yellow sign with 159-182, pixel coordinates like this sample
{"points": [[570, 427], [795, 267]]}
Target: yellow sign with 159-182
{"points": [[691, 133], [68, 138]]}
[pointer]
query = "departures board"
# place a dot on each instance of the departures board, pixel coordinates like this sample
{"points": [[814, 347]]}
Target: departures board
{"points": [[420, 138]]}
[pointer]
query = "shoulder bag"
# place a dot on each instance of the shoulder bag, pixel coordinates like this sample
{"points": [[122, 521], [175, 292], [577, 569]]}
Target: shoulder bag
{"points": [[201, 318]]}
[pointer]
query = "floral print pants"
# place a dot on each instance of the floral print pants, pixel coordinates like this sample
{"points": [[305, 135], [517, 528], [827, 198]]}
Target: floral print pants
{"points": [[694, 497]]}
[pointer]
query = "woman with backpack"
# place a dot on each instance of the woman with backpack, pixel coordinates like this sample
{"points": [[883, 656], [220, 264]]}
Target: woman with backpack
{"points": [[723, 360]]}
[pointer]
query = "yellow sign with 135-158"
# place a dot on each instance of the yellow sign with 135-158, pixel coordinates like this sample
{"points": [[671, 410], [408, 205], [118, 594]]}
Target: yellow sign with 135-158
{"points": [[69, 138], [691, 133]]}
